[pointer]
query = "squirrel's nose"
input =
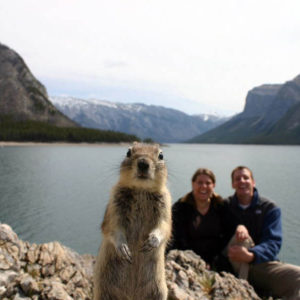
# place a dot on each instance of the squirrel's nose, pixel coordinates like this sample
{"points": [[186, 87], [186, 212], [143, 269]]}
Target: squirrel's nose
{"points": [[143, 165]]}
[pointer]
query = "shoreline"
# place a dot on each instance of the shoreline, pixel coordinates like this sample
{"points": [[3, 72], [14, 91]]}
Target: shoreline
{"points": [[32, 144]]}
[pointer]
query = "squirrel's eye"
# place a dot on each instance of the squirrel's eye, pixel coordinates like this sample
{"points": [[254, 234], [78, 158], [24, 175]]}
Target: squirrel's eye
{"points": [[128, 153], [160, 156]]}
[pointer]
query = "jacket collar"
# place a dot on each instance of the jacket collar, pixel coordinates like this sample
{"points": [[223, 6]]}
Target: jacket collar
{"points": [[255, 199], [188, 198]]}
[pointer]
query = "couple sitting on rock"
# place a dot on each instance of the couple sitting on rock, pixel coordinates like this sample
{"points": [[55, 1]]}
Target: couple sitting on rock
{"points": [[241, 233]]}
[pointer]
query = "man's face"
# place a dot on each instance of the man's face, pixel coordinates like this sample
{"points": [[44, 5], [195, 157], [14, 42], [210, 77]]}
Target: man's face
{"points": [[243, 183]]}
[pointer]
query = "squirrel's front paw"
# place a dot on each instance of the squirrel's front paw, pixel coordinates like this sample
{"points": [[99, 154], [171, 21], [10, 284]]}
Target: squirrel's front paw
{"points": [[151, 243], [124, 252]]}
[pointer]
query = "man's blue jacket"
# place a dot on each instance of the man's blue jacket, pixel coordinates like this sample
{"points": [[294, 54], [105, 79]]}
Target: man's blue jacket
{"points": [[263, 221]]}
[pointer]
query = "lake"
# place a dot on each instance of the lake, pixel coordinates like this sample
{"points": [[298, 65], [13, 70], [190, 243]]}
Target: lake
{"points": [[59, 192]]}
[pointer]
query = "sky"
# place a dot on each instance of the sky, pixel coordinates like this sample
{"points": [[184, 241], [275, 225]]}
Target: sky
{"points": [[197, 56]]}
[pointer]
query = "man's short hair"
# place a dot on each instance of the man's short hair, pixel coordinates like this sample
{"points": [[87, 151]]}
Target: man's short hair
{"points": [[241, 168]]}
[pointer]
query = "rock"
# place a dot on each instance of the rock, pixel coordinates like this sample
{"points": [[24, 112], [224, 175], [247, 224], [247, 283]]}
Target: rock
{"points": [[46, 271], [67, 273], [29, 285], [33, 269], [32, 253], [52, 271], [10, 249], [2, 291], [187, 278], [19, 297], [56, 291], [7, 234], [6, 277]]}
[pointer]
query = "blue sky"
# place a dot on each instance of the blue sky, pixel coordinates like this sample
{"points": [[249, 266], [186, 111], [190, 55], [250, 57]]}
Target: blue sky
{"points": [[193, 55]]}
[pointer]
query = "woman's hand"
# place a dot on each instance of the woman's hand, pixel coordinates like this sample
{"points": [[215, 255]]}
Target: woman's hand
{"points": [[241, 233]]}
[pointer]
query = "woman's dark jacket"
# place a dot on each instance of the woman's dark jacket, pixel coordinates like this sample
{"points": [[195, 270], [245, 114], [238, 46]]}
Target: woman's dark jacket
{"points": [[206, 235]]}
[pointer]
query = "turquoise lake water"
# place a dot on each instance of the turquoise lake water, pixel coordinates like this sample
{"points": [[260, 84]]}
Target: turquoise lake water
{"points": [[60, 192]]}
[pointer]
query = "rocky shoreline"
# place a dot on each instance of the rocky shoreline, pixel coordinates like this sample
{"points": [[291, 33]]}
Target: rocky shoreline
{"points": [[52, 271]]}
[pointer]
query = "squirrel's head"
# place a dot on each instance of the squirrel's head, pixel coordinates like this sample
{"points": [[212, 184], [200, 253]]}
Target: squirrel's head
{"points": [[143, 167]]}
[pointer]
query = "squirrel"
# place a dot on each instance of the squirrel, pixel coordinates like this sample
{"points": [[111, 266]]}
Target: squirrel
{"points": [[136, 228]]}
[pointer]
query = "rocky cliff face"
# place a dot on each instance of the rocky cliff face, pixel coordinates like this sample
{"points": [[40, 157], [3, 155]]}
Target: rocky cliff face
{"points": [[52, 271], [287, 96], [265, 119], [146, 121], [259, 100], [22, 96]]}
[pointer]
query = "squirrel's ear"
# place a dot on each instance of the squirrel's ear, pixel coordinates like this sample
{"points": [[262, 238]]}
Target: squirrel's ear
{"points": [[129, 152], [160, 155]]}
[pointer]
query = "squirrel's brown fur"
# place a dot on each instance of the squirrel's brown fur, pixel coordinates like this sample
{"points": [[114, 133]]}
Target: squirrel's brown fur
{"points": [[136, 228]]}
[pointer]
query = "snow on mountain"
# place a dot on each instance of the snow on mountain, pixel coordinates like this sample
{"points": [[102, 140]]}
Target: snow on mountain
{"points": [[71, 101], [146, 121]]}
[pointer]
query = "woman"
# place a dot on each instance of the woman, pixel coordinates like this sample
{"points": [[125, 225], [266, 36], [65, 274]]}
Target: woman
{"points": [[201, 221]]}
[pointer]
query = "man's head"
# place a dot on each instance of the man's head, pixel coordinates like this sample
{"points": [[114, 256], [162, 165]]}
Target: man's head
{"points": [[243, 183]]}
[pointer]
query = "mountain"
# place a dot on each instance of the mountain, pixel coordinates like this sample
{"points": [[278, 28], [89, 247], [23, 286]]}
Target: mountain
{"points": [[22, 96], [24, 100], [26, 114], [271, 116], [146, 121]]}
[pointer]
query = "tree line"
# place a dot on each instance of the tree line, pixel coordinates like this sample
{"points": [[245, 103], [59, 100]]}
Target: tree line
{"points": [[34, 131]]}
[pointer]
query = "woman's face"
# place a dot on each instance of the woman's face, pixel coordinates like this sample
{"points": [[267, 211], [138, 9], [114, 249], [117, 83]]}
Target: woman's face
{"points": [[203, 187]]}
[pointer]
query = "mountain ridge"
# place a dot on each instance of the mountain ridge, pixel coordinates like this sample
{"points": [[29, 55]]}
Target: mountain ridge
{"points": [[26, 113], [264, 118], [159, 123], [22, 96]]}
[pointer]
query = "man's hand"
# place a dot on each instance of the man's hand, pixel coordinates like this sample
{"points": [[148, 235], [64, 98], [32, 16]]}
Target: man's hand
{"points": [[240, 254], [241, 233]]}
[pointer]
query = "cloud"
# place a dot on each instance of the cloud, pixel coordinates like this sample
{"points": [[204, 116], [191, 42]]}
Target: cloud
{"points": [[206, 52]]}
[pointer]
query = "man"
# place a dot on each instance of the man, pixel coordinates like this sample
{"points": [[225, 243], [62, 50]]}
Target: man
{"points": [[262, 224]]}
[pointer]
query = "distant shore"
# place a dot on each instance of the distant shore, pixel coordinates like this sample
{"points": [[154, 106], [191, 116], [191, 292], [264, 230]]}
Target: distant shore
{"points": [[13, 144]]}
